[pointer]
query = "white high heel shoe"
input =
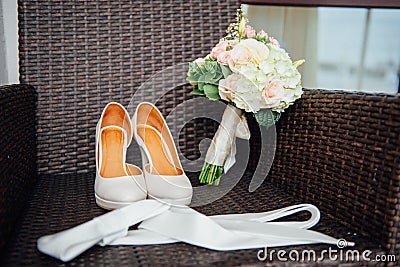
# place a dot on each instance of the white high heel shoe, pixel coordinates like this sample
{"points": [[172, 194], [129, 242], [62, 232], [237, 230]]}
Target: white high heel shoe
{"points": [[117, 183], [164, 175]]}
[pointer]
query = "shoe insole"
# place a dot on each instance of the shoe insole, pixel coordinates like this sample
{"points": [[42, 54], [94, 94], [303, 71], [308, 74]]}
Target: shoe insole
{"points": [[116, 116], [150, 116], [112, 142], [161, 163]]}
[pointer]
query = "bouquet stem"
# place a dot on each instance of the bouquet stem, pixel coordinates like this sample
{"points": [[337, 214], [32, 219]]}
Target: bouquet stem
{"points": [[220, 155], [211, 174]]}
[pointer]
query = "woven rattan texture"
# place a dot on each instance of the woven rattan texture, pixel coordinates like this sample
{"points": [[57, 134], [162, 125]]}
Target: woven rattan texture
{"points": [[17, 154], [60, 202], [80, 55], [341, 152]]}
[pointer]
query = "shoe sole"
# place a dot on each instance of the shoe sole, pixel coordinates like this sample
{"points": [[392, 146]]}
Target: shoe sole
{"points": [[180, 202], [110, 205]]}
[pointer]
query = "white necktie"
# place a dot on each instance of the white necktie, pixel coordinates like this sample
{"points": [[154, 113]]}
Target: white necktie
{"points": [[162, 223]]}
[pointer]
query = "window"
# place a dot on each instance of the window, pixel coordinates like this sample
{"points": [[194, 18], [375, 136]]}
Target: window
{"points": [[356, 49]]}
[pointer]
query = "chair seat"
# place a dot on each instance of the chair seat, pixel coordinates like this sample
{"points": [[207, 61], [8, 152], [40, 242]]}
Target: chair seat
{"points": [[63, 201]]}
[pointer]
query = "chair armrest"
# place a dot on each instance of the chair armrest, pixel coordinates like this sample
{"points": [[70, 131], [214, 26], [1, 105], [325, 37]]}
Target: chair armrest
{"points": [[17, 154], [340, 151]]}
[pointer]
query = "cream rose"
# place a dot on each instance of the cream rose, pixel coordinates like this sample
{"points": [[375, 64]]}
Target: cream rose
{"points": [[227, 87], [246, 51], [239, 55]]}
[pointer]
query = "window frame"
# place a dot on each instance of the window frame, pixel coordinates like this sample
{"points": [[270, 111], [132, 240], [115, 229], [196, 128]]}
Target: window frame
{"points": [[332, 3]]}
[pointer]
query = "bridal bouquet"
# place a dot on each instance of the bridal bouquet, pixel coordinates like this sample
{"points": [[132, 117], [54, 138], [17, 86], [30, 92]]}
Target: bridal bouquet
{"points": [[252, 73]]}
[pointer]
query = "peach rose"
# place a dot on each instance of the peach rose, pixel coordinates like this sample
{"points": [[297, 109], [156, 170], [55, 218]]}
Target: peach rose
{"points": [[274, 92], [218, 49], [223, 58]]}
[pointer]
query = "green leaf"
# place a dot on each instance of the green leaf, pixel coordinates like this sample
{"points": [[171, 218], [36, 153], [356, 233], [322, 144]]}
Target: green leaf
{"points": [[298, 62], [218, 76], [198, 92], [200, 86], [225, 71], [209, 78], [201, 78], [266, 117], [211, 66], [211, 91], [192, 79]]}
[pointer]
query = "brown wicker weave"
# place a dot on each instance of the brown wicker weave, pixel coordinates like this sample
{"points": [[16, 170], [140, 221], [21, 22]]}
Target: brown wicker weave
{"points": [[337, 150], [17, 154], [80, 55], [63, 201], [341, 151]]}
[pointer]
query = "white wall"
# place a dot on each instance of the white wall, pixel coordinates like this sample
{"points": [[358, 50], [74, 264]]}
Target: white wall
{"points": [[8, 42]]}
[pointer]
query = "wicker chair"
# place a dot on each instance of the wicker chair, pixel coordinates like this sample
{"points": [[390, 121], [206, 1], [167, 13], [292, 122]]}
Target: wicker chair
{"points": [[339, 151]]}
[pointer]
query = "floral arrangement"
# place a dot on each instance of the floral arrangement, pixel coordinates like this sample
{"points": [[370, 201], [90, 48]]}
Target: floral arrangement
{"points": [[252, 73]]}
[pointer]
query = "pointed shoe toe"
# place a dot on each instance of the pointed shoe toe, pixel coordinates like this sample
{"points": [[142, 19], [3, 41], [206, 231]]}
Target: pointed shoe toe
{"points": [[173, 189], [117, 192]]}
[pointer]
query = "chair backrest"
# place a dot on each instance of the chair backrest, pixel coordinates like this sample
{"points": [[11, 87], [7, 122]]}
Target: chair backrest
{"points": [[79, 55]]}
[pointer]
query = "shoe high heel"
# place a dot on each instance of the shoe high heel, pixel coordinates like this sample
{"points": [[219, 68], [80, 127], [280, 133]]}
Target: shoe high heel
{"points": [[164, 175], [117, 183]]}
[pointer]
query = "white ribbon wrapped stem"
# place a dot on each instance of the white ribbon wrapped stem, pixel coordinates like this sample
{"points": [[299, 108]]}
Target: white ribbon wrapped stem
{"points": [[222, 149]]}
